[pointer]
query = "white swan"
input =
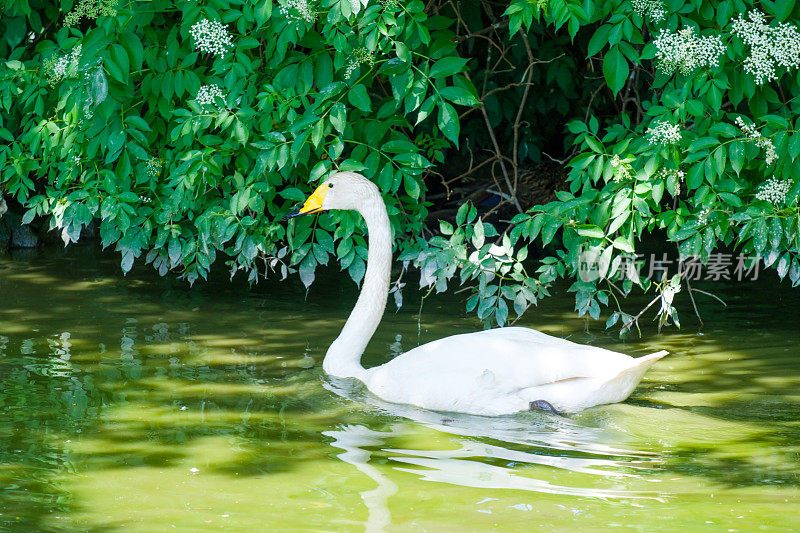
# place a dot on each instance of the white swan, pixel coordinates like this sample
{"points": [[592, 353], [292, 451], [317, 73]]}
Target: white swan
{"points": [[494, 372]]}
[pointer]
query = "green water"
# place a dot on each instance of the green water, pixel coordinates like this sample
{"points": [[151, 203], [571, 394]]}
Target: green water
{"points": [[139, 404]]}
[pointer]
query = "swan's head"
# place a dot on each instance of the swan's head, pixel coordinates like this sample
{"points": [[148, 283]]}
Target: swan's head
{"points": [[343, 190]]}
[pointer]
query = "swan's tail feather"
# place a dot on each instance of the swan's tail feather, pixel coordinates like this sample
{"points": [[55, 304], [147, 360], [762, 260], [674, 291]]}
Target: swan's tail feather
{"points": [[641, 364], [653, 357], [626, 380]]}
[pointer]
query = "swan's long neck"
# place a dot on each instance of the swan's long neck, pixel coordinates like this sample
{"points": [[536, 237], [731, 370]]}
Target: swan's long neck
{"points": [[344, 355]]}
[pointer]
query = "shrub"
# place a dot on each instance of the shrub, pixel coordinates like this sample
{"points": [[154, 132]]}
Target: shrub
{"points": [[187, 129]]}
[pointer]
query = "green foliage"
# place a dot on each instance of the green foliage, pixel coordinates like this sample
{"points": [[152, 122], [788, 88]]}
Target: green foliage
{"points": [[184, 142], [181, 151], [713, 124], [466, 249]]}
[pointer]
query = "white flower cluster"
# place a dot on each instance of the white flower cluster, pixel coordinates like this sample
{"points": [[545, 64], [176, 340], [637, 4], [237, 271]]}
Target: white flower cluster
{"points": [[761, 141], [684, 51], [211, 37], [673, 174], [702, 216], [666, 173], [773, 191], [208, 94], [154, 166], [91, 9], [299, 10], [652, 9], [57, 68], [621, 169], [360, 55], [664, 133], [770, 46]]}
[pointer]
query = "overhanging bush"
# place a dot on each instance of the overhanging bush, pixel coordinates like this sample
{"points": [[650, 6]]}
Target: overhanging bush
{"points": [[186, 129]]}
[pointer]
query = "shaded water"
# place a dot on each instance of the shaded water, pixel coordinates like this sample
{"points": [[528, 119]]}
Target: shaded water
{"points": [[140, 404]]}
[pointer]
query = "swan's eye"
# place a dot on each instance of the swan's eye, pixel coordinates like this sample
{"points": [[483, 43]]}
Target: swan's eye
{"points": [[330, 185]]}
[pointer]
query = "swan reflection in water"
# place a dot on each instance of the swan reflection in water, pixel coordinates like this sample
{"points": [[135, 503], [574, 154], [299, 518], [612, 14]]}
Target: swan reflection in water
{"points": [[481, 446], [354, 440]]}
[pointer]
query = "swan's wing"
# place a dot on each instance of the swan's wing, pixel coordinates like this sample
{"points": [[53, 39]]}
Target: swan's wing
{"points": [[516, 355]]}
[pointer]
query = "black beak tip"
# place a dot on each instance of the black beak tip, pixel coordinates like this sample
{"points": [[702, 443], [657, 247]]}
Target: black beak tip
{"points": [[293, 213]]}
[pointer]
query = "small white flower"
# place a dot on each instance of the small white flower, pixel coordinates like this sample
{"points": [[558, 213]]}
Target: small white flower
{"points": [[652, 9], [622, 170], [360, 55], [665, 173], [90, 9], [664, 133], [672, 174], [59, 68], [770, 46], [211, 37], [299, 10], [154, 166], [208, 95], [194, 470], [761, 141], [684, 51], [773, 191]]}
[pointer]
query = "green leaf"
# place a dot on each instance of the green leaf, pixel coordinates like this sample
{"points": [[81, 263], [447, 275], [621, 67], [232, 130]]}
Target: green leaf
{"points": [[401, 84], [307, 268], [27, 218], [794, 146], [459, 96], [695, 177], [399, 146], [589, 230], [263, 11], [615, 69], [425, 109], [15, 28], [338, 116], [447, 66], [461, 215], [137, 122], [478, 235], [737, 155], [117, 63], [776, 121], [599, 40], [448, 122], [403, 52], [133, 46], [781, 9], [621, 243], [358, 97], [411, 186]]}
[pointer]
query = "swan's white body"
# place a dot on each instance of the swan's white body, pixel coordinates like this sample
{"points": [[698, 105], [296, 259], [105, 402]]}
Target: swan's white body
{"points": [[494, 372]]}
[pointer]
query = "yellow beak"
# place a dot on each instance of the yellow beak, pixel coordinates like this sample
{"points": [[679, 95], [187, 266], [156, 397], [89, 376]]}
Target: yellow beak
{"points": [[313, 203]]}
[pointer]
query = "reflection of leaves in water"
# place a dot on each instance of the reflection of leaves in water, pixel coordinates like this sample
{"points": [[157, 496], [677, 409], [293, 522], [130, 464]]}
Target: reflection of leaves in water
{"points": [[41, 401]]}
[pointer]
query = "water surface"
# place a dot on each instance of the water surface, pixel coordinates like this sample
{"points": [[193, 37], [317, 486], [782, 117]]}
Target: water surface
{"points": [[140, 404]]}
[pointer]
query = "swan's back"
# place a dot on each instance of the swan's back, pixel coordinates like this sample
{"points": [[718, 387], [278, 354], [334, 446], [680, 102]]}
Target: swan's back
{"points": [[502, 370]]}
